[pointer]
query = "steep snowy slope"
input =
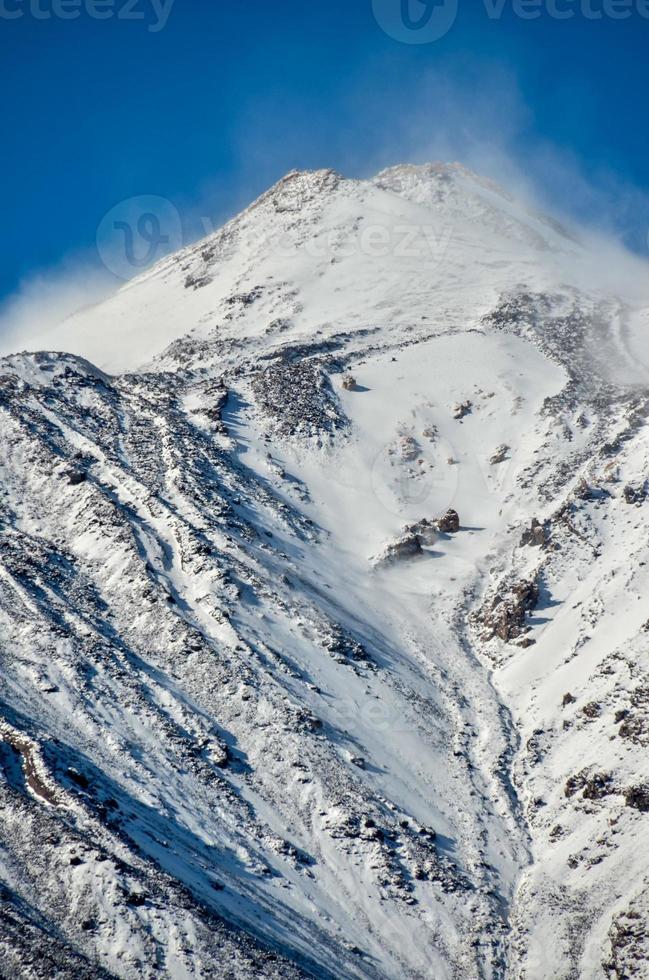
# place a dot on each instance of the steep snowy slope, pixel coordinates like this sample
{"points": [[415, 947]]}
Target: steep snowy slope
{"points": [[270, 708], [329, 254]]}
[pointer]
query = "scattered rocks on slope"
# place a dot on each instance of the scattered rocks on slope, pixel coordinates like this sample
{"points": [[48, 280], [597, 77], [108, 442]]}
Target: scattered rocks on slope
{"points": [[299, 399], [594, 786], [629, 938]]}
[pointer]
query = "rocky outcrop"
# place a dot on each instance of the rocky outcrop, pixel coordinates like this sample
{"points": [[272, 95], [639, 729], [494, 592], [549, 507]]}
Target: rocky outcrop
{"points": [[536, 535], [505, 617]]}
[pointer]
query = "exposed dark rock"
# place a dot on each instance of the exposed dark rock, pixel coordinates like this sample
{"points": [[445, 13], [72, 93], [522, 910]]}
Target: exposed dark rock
{"points": [[449, 523], [506, 617], [76, 477], [592, 710], [595, 786], [536, 536], [298, 397], [634, 495], [637, 797]]}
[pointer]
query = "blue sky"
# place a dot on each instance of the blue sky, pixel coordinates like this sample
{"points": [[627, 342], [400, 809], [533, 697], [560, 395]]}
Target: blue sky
{"points": [[229, 94]]}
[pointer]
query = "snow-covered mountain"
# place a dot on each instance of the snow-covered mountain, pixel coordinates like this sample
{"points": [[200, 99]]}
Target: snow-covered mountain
{"points": [[323, 603]]}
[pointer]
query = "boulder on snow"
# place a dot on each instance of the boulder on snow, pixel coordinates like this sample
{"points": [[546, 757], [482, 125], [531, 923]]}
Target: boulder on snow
{"points": [[634, 495], [460, 409], [449, 523], [349, 383], [500, 455]]}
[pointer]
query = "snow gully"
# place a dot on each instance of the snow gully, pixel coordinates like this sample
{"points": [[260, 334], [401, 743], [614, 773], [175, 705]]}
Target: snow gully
{"points": [[154, 12]]}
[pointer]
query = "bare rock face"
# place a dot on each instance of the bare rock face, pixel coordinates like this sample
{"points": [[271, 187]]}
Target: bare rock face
{"points": [[449, 523]]}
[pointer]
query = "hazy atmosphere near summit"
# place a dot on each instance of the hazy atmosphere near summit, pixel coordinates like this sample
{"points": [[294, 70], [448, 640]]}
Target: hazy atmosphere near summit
{"points": [[324, 490]]}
